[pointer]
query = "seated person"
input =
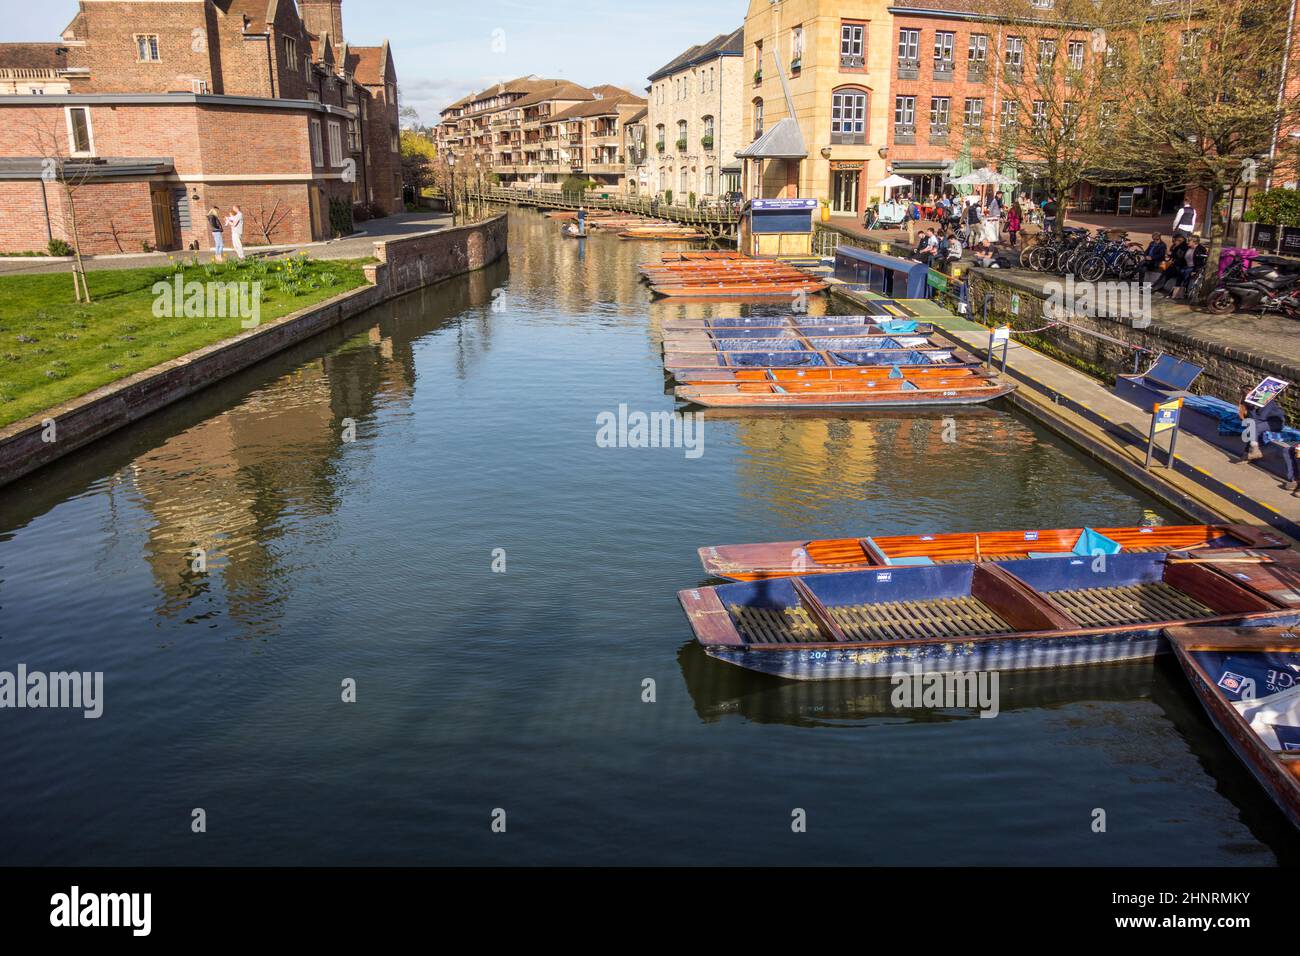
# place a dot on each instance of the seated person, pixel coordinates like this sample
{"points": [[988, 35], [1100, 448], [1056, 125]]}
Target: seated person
{"points": [[1255, 421], [1155, 253]]}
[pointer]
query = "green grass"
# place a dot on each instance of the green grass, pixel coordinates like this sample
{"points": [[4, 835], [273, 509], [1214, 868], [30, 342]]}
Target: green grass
{"points": [[52, 349]]}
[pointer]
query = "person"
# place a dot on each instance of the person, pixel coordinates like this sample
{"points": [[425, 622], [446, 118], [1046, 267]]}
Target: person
{"points": [[922, 251], [236, 223], [1173, 266], [1013, 222], [1194, 258], [1050, 209], [992, 221], [1255, 420], [215, 226], [953, 252], [870, 219], [1185, 220], [1155, 253]]}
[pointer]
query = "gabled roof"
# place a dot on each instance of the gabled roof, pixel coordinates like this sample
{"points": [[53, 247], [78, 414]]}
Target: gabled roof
{"points": [[783, 141], [606, 106], [561, 91], [32, 56], [372, 64], [636, 117], [724, 44]]}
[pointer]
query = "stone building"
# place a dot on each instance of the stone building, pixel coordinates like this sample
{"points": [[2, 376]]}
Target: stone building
{"points": [[173, 108], [695, 123]]}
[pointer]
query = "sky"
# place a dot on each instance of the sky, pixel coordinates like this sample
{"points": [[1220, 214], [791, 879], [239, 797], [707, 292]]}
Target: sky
{"points": [[444, 50]]}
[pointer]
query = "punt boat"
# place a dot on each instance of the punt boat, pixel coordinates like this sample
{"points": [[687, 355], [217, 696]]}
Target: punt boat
{"points": [[691, 366], [882, 321], [1248, 680], [747, 290], [778, 559], [996, 615], [959, 386]]}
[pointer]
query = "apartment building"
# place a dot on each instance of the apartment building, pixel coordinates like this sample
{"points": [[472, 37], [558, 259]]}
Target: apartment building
{"points": [[534, 132], [695, 122], [176, 107], [816, 106]]}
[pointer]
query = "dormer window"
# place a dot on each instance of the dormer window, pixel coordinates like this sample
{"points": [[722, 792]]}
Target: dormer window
{"points": [[290, 53]]}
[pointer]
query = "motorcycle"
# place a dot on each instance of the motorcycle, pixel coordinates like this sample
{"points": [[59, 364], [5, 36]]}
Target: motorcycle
{"points": [[1258, 287]]}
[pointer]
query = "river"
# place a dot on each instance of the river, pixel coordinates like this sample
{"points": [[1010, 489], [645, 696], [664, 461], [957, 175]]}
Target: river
{"points": [[416, 505]]}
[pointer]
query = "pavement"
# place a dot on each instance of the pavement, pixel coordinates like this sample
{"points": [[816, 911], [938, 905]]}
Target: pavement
{"points": [[1204, 482], [359, 245]]}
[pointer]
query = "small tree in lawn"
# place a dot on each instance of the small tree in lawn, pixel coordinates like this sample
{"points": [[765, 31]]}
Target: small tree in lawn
{"points": [[268, 221], [1205, 101], [68, 175]]}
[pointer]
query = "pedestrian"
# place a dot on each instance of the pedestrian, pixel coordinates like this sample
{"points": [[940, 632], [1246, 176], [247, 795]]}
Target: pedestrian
{"points": [[1154, 256], [1049, 214], [218, 242], [1185, 220], [1255, 421], [236, 223], [992, 220], [1013, 222]]}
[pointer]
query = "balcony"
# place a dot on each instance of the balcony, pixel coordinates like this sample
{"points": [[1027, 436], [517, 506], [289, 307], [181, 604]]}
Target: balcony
{"points": [[848, 139], [943, 71], [909, 69], [1015, 72], [852, 61], [939, 134], [904, 135], [976, 70]]}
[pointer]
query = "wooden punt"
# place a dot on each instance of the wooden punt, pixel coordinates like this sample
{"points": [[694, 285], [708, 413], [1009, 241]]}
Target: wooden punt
{"points": [[854, 338], [779, 559], [747, 291], [997, 615], [695, 366], [1248, 680], [882, 324], [661, 234], [904, 392]]}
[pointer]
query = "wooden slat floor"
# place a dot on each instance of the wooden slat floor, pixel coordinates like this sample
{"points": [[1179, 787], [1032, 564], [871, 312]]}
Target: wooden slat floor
{"points": [[896, 620], [1132, 604]]}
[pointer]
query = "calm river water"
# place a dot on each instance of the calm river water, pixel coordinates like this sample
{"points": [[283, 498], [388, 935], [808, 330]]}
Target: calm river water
{"points": [[475, 407]]}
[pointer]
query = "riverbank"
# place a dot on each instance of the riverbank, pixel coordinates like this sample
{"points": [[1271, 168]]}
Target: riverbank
{"points": [[400, 266]]}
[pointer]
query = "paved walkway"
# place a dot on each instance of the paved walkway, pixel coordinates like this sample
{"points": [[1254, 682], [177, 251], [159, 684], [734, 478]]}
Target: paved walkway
{"points": [[359, 245], [1204, 479]]}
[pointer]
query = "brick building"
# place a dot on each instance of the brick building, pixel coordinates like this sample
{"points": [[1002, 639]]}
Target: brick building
{"points": [[172, 108]]}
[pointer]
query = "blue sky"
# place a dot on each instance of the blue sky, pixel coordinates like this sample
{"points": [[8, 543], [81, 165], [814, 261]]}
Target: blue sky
{"points": [[446, 49]]}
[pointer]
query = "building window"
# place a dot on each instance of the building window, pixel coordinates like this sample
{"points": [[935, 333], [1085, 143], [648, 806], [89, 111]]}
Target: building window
{"points": [[1015, 56], [758, 118], [1075, 54], [290, 54], [758, 61], [974, 115], [336, 144], [708, 180], [796, 47], [849, 117], [660, 134], [909, 46], [1010, 114], [978, 51], [940, 112], [944, 42], [146, 47], [1046, 56], [681, 136], [81, 140], [317, 155], [852, 46], [685, 183], [905, 111], [1040, 114], [707, 139]]}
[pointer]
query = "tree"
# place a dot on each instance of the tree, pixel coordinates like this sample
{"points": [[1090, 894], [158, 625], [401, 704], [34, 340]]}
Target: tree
{"points": [[1206, 100], [417, 156], [69, 175], [1057, 80]]}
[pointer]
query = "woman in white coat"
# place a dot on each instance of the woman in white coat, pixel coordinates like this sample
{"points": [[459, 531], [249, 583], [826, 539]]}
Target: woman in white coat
{"points": [[236, 223]]}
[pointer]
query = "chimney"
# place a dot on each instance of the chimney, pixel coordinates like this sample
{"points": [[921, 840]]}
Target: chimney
{"points": [[323, 16]]}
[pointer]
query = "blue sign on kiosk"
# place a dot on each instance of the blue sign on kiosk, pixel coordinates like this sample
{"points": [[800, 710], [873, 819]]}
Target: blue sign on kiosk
{"points": [[778, 227]]}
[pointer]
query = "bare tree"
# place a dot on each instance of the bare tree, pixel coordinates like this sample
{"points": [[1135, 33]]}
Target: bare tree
{"points": [[1206, 98], [70, 175], [268, 221], [1057, 81]]}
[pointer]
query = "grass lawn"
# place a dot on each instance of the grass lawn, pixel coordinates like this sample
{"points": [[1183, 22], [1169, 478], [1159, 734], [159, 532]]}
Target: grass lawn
{"points": [[52, 349]]}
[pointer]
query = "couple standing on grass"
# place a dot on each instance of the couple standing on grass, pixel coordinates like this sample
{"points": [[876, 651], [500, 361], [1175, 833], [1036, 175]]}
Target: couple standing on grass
{"points": [[236, 223]]}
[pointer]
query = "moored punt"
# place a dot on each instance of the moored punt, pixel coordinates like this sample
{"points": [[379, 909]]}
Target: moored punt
{"points": [[883, 393], [774, 559], [690, 366], [747, 291], [1248, 680], [865, 324], [792, 340], [1004, 615]]}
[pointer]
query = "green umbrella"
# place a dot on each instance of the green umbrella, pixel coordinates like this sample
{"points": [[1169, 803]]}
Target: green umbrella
{"points": [[961, 167]]}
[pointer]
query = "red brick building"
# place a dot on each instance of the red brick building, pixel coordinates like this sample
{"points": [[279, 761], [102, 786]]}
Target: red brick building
{"points": [[176, 107]]}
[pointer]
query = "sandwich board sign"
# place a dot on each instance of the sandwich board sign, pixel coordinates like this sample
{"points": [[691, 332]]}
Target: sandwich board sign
{"points": [[1164, 418]]}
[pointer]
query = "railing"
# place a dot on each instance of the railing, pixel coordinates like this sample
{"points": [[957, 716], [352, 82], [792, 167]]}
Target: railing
{"points": [[943, 70], [904, 133], [852, 61], [909, 69], [717, 218]]}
